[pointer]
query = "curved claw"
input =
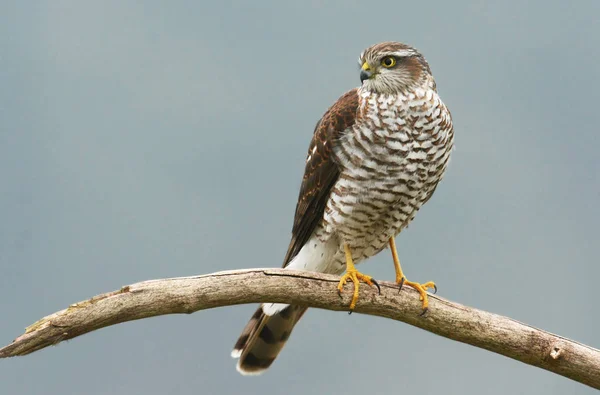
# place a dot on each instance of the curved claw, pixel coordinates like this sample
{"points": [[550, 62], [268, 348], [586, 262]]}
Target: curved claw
{"points": [[434, 289], [424, 312], [401, 284], [377, 285]]}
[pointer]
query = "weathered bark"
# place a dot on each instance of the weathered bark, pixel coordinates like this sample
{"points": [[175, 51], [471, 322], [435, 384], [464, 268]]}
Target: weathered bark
{"points": [[189, 294]]}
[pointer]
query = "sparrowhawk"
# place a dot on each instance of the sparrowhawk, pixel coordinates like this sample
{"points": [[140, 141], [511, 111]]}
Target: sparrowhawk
{"points": [[375, 158]]}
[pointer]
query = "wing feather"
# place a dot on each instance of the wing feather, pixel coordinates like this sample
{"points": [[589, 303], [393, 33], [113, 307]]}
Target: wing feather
{"points": [[321, 171]]}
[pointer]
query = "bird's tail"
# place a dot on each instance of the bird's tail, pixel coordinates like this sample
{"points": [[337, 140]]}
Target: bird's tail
{"points": [[263, 338]]}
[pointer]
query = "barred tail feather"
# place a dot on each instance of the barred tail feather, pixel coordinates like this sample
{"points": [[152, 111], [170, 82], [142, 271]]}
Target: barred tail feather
{"points": [[269, 328], [263, 338]]}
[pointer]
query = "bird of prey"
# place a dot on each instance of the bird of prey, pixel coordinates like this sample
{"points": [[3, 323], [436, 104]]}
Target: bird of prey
{"points": [[376, 156]]}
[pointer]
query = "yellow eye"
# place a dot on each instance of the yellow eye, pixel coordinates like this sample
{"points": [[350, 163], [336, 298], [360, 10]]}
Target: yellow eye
{"points": [[388, 61]]}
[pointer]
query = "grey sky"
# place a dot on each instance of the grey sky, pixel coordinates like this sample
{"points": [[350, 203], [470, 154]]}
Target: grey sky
{"points": [[148, 140]]}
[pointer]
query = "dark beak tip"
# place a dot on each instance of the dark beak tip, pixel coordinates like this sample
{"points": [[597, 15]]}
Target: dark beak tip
{"points": [[364, 75]]}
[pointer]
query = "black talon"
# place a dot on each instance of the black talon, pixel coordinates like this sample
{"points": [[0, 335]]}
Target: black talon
{"points": [[424, 312], [377, 285], [400, 285], [434, 289], [340, 294], [350, 312]]}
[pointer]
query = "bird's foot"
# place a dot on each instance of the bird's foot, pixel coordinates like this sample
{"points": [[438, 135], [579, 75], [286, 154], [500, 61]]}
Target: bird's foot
{"points": [[355, 277], [421, 288]]}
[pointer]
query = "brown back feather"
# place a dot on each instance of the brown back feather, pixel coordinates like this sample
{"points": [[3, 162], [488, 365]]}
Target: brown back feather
{"points": [[321, 171]]}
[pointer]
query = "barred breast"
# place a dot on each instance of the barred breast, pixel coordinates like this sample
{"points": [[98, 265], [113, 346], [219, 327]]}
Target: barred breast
{"points": [[391, 161]]}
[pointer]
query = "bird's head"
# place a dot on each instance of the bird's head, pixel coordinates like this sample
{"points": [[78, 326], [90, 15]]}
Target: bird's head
{"points": [[393, 67]]}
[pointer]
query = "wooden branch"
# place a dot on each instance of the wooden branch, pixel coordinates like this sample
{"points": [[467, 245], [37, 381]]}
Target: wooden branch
{"points": [[189, 294]]}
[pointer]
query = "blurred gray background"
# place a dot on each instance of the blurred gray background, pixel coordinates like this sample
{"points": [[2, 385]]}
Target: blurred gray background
{"points": [[149, 140]]}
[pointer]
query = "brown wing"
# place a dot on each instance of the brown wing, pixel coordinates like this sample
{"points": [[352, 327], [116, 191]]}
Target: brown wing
{"points": [[321, 171]]}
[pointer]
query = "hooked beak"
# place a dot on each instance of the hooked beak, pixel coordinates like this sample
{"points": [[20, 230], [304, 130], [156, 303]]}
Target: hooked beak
{"points": [[365, 72]]}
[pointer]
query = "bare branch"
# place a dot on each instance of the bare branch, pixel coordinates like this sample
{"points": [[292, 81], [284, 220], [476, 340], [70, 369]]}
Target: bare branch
{"points": [[189, 294]]}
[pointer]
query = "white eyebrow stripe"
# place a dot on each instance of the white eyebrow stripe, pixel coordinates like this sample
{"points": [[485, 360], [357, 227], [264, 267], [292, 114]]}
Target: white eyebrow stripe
{"points": [[403, 53]]}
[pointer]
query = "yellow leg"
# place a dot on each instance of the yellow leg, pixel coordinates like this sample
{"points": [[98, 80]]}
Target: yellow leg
{"points": [[353, 275], [401, 279]]}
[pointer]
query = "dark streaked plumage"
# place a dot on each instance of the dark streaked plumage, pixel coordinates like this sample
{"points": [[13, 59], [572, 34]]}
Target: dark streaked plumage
{"points": [[376, 157]]}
